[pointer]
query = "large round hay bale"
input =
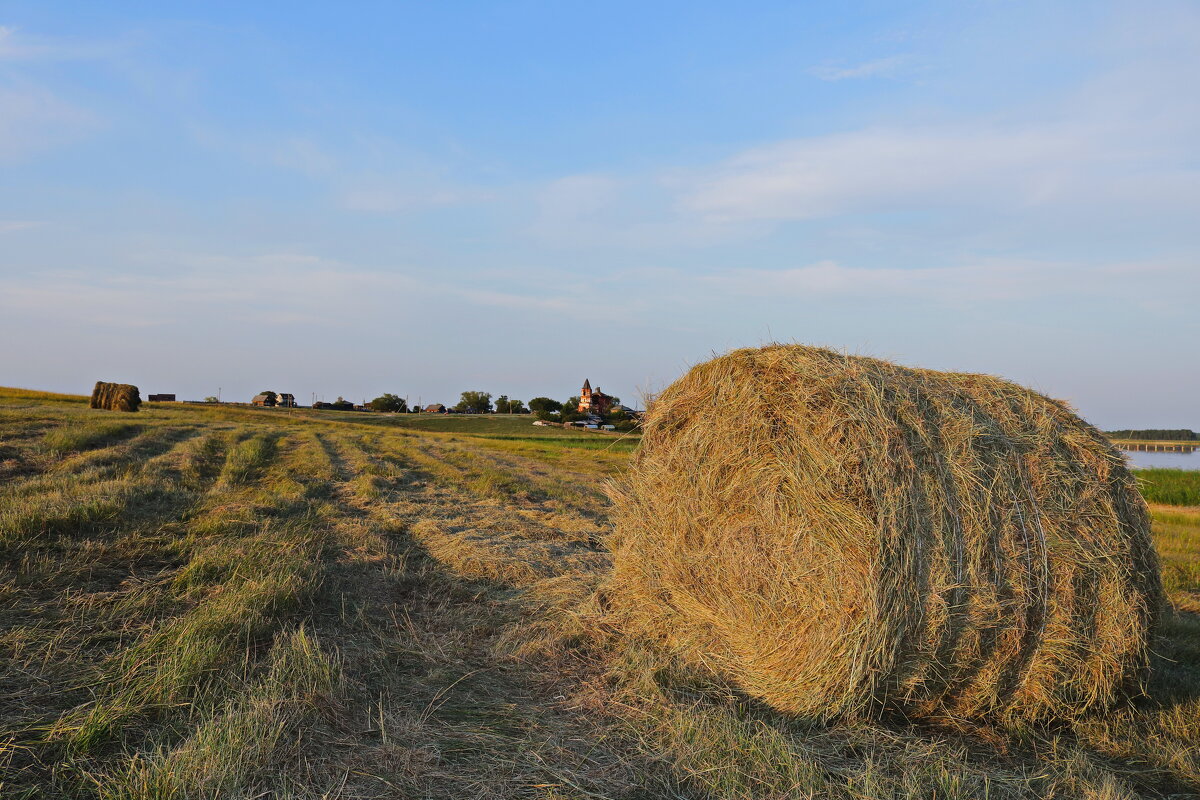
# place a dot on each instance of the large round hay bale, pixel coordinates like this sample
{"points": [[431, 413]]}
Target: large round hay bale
{"points": [[115, 397], [841, 534]]}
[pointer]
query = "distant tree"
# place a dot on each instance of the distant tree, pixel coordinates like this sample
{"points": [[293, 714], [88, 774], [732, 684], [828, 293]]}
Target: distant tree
{"points": [[390, 403], [506, 406], [572, 403], [474, 403], [271, 397], [545, 404], [212, 398]]}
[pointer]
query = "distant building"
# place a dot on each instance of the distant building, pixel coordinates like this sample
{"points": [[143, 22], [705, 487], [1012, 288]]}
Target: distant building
{"points": [[593, 401], [264, 400], [435, 408], [161, 398], [286, 400]]}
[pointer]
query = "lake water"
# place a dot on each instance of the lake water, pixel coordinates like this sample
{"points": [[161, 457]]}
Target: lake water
{"points": [[1140, 460]]}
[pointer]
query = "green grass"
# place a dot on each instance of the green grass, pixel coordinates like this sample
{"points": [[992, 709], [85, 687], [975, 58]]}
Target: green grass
{"points": [[620, 444], [221, 602], [88, 434], [476, 425], [1175, 487], [247, 738]]}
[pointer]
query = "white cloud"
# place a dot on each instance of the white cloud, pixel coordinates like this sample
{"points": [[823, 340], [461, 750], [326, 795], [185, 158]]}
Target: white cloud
{"points": [[1119, 143], [1078, 163], [880, 67], [891, 168]]}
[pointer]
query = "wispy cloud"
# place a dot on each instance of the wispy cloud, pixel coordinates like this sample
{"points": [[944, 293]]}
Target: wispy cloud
{"points": [[602, 211], [34, 119], [370, 175], [402, 193], [13, 225], [16, 45], [277, 288], [879, 169], [878, 68], [968, 165], [986, 281]]}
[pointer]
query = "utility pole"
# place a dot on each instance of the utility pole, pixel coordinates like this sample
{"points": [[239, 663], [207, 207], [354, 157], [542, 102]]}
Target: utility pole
{"points": [[218, 394]]}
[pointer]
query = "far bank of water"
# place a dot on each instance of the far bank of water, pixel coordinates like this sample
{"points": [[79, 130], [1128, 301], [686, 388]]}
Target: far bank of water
{"points": [[1141, 460]]}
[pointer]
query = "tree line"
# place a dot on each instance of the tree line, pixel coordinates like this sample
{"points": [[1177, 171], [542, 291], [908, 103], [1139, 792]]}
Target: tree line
{"points": [[471, 402], [1156, 434], [476, 402]]}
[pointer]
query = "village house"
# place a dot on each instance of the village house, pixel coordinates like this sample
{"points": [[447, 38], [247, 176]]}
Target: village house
{"points": [[281, 400]]}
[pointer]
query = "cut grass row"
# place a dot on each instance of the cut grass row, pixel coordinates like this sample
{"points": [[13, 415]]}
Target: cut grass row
{"points": [[187, 643]]}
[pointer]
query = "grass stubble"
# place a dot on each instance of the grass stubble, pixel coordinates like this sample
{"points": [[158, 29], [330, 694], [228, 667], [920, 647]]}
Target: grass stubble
{"points": [[223, 603]]}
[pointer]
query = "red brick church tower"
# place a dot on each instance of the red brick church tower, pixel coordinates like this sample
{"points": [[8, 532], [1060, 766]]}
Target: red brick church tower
{"points": [[593, 401]]}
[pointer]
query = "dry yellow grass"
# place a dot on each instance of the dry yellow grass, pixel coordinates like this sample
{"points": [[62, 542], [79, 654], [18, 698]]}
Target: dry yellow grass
{"points": [[221, 602], [842, 534]]}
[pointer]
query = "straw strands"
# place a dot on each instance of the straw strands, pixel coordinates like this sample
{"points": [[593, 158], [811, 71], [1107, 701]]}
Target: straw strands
{"points": [[115, 397], [841, 535]]}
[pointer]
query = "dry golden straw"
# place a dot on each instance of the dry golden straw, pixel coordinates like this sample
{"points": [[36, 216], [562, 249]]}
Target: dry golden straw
{"points": [[115, 397], [844, 535]]}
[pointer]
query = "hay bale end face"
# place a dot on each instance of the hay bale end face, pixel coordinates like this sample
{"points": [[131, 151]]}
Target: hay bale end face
{"points": [[844, 535], [115, 397]]}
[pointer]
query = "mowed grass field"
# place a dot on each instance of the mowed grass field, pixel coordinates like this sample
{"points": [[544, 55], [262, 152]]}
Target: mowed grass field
{"points": [[217, 602]]}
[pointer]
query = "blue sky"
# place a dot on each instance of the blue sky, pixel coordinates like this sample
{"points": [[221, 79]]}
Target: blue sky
{"points": [[425, 198]]}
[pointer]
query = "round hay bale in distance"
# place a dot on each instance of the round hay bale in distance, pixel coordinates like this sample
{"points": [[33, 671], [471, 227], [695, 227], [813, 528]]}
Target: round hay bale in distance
{"points": [[115, 397], [841, 534]]}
